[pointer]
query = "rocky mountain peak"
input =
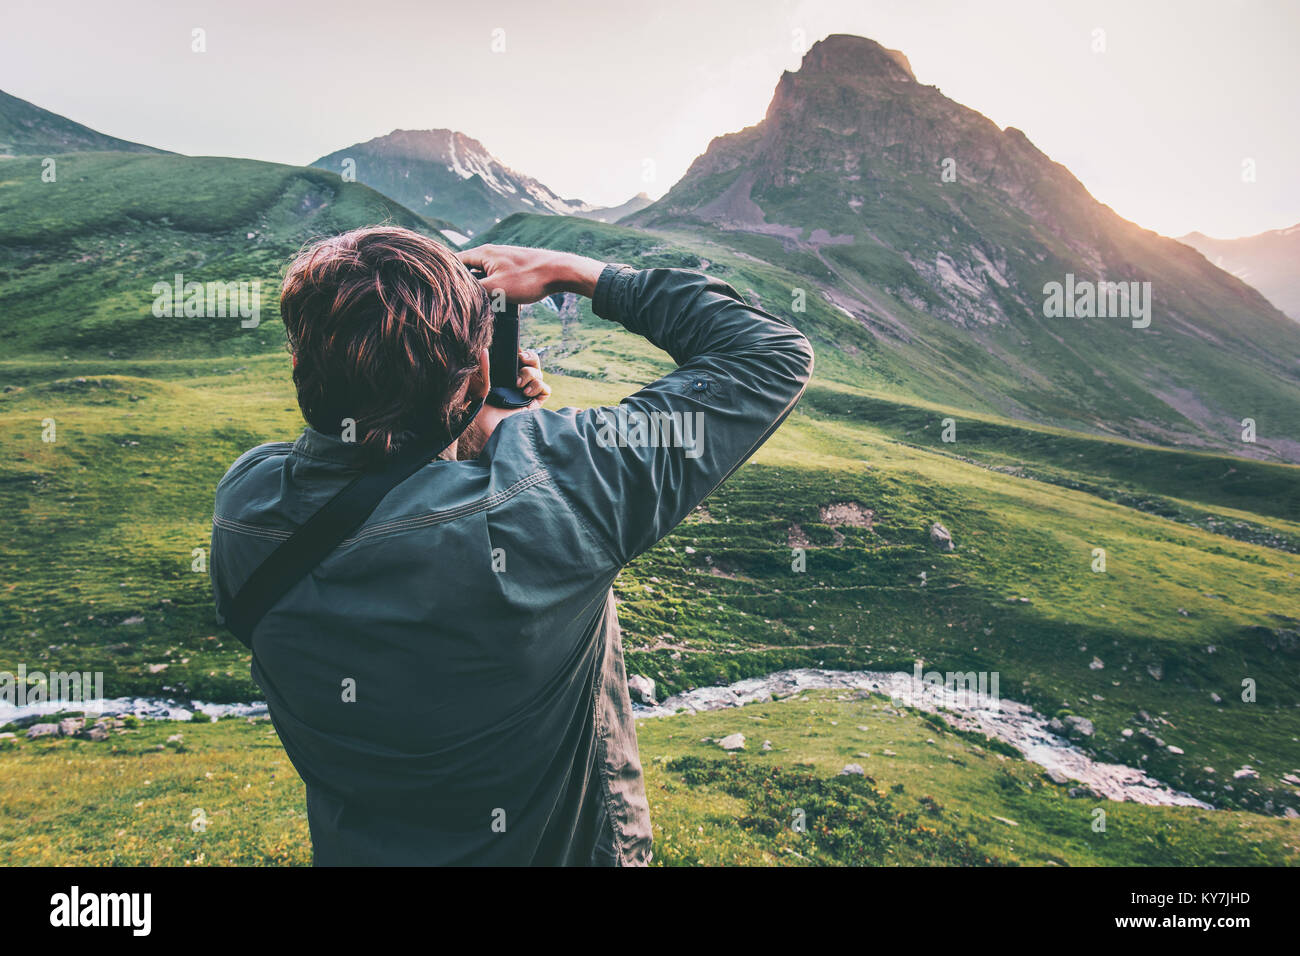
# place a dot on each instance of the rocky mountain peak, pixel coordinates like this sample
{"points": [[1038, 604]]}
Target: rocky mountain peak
{"points": [[854, 56]]}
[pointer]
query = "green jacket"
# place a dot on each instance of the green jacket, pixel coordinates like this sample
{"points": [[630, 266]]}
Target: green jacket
{"points": [[449, 682]]}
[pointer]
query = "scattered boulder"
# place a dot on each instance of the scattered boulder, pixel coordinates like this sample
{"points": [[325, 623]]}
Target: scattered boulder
{"points": [[1245, 773], [642, 689], [767, 745], [69, 726], [732, 742], [852, 770], [1148, 738], [1078, 727], [42, 730], [847, 513], [940, 536]]}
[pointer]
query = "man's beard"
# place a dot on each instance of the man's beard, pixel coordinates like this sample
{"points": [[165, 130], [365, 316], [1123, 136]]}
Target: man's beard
{"points": [[471, 442]]}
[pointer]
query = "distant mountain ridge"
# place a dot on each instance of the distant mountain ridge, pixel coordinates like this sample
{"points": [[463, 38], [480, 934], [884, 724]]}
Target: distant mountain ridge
{"points": [[615, 213], [452, 176], [1269, 261], [28, 130]]}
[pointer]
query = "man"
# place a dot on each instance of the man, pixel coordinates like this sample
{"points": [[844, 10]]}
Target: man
{"points": [[449, 681]]}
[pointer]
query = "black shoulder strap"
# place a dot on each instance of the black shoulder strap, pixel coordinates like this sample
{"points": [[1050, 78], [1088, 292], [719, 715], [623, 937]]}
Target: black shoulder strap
{"points": [[322, 532]]}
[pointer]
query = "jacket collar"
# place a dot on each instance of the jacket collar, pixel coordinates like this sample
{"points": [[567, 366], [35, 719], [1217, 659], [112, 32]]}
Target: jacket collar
{"points": [[330, 449]]}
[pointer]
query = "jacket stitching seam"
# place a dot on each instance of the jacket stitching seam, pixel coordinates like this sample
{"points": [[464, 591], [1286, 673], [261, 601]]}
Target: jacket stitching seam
{"points": [[437, 517], [229, 524]]}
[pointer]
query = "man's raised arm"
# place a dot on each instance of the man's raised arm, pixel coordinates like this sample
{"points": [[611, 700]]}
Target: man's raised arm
{"points": [[635, 470]]}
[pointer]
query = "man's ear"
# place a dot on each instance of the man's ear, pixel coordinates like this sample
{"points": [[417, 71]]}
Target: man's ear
{"points": [[481, 383]]}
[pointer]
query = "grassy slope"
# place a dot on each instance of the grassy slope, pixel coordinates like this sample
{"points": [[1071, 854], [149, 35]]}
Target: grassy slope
{"points": [[79, 256], [78, 563]]}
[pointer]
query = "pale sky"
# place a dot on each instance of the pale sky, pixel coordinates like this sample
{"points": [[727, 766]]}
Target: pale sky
{"points": [[1157, 126]]}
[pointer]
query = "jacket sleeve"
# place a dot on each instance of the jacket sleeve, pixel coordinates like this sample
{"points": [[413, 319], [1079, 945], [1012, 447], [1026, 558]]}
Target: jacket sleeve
{"points": [[634, 471]]}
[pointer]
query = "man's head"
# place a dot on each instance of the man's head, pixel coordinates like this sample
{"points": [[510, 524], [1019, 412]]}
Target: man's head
{"points": [[386, 328]]}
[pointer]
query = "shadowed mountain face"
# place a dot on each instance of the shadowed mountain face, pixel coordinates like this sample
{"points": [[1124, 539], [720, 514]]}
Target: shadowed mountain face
{"points": [[448, 175], [28, 130], [1269, 261], [944, 235]]}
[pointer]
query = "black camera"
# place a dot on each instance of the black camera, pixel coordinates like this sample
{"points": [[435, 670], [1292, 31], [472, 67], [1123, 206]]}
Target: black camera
{"points": [[503, 357]]}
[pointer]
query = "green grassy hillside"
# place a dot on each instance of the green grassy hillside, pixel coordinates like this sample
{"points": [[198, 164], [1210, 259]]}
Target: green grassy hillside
{"points": [[79, 256], [104, 522]]}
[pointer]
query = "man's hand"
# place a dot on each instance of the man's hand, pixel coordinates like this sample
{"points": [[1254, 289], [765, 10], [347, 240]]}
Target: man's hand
{"points": [[530, 377], [527, 275]]}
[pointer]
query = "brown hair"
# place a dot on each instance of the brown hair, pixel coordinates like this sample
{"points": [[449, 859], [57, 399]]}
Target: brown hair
{"points": [[385, 326]]}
